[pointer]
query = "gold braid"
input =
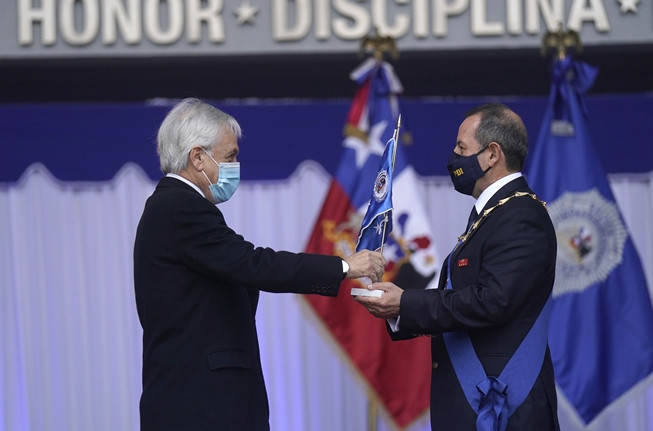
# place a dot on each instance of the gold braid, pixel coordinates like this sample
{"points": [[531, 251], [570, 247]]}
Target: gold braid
{"points": [[462, 238]]}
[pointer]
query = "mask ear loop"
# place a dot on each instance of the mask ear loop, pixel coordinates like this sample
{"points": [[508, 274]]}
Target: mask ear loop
{"points": [[211, 157], [216, 163], [476, 155], [207, 178]]}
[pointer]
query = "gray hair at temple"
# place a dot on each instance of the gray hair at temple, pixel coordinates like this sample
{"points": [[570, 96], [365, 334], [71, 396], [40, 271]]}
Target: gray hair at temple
{"points": [[191, 123], [502, 125]]}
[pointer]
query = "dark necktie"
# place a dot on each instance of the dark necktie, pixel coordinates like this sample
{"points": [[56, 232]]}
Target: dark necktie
{"points": [[472, 218]]}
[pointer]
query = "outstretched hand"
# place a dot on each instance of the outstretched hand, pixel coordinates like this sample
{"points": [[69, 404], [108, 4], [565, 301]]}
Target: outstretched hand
{"points": [[387, 305], [366, 263]]}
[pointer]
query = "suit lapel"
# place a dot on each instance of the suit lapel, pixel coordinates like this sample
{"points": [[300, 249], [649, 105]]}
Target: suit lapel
{"points": [[518, 184]]}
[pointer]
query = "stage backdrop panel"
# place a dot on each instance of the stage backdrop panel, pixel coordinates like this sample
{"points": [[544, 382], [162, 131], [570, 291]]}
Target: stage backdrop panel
{"points": [[80, 142], [73, 181]]}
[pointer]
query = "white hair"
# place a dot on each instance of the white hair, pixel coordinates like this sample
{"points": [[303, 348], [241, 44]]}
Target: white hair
{"points": [[191, 123]]}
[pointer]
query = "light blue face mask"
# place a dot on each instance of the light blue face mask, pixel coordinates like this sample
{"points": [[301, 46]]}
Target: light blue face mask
{"points": [[228, 180]]}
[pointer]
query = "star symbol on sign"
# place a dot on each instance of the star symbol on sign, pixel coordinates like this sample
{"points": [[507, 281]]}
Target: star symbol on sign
{"points": [[245, 13], [628, 6], [372, 146]]}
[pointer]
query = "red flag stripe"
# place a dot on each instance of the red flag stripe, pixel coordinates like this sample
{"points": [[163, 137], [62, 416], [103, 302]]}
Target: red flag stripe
{"points": [[398, 372]]}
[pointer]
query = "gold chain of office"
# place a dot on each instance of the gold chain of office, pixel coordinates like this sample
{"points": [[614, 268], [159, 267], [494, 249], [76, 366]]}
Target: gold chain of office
{"points": [[462, 238]]}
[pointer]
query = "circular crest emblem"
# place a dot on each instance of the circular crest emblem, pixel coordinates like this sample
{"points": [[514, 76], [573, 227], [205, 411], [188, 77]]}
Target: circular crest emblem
{"points": [[591, 238], [381, 186]]}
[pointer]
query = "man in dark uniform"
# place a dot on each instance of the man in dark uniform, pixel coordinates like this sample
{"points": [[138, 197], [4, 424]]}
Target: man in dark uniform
{"points": [[492, 289]]}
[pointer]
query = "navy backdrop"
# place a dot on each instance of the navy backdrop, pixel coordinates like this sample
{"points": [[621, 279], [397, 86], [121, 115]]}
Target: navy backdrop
{"points": [[91, 142]]}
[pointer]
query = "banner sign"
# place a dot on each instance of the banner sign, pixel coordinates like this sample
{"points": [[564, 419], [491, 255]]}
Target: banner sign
{"points": [[136, 28]]}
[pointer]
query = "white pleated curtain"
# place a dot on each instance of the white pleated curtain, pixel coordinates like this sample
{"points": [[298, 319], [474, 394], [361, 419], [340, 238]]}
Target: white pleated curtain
{"points": [[71, 341]]}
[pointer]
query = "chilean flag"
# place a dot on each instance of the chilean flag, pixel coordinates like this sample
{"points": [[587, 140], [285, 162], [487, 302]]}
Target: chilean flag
{"points": [[397, 373]]}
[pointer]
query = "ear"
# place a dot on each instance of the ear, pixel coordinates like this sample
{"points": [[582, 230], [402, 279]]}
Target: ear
{"points": [[495, 152], [196, 158]]}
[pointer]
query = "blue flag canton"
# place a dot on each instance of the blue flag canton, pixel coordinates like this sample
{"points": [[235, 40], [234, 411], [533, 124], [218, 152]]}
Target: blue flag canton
{"points": [[377, 223]]}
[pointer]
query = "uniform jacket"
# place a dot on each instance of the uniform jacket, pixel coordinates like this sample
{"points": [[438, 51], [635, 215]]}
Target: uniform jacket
{"points": [[502, 276], [197, 286]]}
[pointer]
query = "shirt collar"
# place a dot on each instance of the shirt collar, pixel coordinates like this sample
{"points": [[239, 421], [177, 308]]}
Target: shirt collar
{"points": [[179, 177], [492, 189]]}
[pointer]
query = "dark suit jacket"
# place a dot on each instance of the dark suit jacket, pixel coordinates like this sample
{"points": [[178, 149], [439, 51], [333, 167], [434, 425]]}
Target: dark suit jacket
{"points": [[197, 285], [501, 278]]}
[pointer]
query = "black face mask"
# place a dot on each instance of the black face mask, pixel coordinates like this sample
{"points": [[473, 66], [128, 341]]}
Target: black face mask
{"points": [[464, 171]]}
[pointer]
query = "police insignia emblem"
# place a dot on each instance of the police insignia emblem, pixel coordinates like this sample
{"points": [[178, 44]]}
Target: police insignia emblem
{"points": [[591, 238], [381, 186]]}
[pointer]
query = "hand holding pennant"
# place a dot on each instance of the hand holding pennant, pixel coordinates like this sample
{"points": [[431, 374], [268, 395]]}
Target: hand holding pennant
{"points": [[377, 223]]}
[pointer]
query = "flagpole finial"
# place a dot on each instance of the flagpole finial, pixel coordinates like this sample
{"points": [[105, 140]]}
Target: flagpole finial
{"points": [[561, 41], [379, 46]]}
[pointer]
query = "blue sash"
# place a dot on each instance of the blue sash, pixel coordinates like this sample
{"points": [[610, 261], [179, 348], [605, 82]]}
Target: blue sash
{"points": [[494, 399]]}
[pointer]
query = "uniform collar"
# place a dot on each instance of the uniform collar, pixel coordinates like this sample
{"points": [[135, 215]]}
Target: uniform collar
{"points": [[487, 194], [179, 177]]}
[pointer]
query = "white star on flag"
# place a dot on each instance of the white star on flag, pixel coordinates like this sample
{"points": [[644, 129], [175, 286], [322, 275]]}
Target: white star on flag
{"points": [[379, 226], [372, 146], [245, 13], [628, 5]]}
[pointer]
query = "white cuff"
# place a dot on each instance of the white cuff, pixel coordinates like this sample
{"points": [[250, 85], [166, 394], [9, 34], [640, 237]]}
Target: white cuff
{"points": [[394, 323]]}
